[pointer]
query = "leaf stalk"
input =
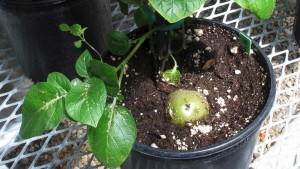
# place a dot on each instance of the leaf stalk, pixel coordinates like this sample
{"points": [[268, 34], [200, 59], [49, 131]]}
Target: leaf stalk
{"points": [[137, 46]]}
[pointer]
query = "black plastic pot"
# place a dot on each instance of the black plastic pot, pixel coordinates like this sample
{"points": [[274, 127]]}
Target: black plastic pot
{"points": [[297, 23], [234, 153], [39, 45]]}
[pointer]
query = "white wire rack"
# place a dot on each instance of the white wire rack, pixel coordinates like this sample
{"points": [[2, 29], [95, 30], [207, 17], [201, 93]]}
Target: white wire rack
{"points": [[278, 146]]}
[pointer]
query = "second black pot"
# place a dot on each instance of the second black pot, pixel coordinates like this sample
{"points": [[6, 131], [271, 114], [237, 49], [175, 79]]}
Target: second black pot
{"points": [[39, 45], [234, 153]]}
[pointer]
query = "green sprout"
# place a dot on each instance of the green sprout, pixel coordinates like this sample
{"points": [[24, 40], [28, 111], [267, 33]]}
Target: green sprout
{"points": [[172, 76]]}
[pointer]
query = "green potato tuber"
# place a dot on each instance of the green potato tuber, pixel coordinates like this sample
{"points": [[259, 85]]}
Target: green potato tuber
{"points": [[186, 106]]}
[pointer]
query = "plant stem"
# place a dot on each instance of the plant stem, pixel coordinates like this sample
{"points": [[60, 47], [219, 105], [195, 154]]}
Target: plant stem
{"points": [[137, 46], [89, 45], [135, 40], [175, 64], [121, 75], [151, 44], [114, 103], [166, 58], [183, 40], [112, 110]]}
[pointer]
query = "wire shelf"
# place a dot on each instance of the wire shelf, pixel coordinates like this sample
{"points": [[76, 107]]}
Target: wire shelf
{"points": [[65, 146]]}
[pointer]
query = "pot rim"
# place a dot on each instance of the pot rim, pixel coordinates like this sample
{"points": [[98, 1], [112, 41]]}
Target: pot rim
{"points": [[231, 142]]}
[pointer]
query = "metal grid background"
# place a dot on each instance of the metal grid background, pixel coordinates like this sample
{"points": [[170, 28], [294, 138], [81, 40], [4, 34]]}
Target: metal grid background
{"points": [[65, 146]]}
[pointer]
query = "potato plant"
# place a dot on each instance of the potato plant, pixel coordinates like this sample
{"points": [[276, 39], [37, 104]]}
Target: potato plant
{"points": [[93, 98]]}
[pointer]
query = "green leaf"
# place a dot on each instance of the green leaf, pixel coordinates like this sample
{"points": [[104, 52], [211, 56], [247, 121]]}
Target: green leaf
{"points": [[82, 64], [106, 73], [64, 27], [261, 8], [60, 81], [124, 7], [78, 44], [140, 17], [172, 76], [175, 10], [86, 101], [151, 18], [75, 82], [68, 117], [83, 30], [76, 29], [42, 109], [120, 97], [117, 43], [113, 139], [133, 2]]}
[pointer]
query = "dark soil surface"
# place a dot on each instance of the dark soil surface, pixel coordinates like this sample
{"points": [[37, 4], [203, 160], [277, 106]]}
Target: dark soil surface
{"points": [[233, 83]]}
